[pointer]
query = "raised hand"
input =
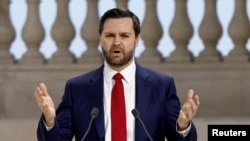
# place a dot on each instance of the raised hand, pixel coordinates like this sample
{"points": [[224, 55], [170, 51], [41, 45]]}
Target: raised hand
{"points": [[188, 110], [45, 103]]}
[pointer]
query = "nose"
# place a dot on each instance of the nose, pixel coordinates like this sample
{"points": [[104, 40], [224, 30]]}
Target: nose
{"points": [[117, 41]]}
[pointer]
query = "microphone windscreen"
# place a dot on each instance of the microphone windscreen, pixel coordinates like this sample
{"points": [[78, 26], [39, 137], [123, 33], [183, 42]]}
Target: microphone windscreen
{"points": [[136, 113], [94, 112]]}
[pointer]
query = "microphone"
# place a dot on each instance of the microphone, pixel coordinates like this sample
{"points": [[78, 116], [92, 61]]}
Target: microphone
{"points": [[93, 115], [136, 114]]}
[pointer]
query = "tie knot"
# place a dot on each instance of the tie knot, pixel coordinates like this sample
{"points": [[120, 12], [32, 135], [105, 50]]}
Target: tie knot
{"points": [[117, 76]]}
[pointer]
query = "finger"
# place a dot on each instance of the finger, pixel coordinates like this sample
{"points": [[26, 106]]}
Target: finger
{"points": [[183, 115], [193, 104], [185, 108], [197, 100], [38, 94], [189, 110], [190, 94], [43, 89], [45, 107], [40, 98]]}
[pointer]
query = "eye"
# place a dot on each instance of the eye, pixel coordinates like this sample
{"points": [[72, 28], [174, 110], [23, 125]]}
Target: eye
{"points": [[109, 35], [125, 36]]}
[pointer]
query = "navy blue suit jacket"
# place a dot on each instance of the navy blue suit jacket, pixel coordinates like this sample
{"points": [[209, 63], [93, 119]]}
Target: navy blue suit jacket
{"points": [[156, 100]]}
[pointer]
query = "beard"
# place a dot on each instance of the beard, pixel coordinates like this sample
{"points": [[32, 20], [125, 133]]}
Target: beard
{"points": [[127, 57]]}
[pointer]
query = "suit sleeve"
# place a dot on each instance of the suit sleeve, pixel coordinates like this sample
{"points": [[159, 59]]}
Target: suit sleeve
{"points": [[172, 112], [62, 130]]}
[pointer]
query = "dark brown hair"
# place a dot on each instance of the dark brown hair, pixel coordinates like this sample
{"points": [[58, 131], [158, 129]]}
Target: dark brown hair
{"points": [[117, 13]]}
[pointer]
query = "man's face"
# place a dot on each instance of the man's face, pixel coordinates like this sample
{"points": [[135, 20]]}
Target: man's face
{"points": [[118, 42]]}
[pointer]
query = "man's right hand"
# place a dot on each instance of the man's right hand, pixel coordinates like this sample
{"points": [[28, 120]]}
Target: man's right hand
{"points": [[46, 104]]}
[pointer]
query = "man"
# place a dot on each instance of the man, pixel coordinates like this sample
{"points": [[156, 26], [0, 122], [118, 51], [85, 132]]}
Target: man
{"points": [[152, 93]]}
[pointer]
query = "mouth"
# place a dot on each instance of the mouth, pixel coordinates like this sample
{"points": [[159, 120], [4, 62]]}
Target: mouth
{"points": [[116, 52]]}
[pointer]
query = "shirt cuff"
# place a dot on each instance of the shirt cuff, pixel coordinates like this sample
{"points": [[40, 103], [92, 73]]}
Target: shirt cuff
{"points": [[48, 128], [185, 132]]}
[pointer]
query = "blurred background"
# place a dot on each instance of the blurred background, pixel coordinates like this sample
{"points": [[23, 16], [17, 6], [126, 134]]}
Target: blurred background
{"points": [[165, 11]]}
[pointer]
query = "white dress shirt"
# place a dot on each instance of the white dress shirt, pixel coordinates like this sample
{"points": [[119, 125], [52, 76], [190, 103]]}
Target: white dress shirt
{"points": [[129, 93]]}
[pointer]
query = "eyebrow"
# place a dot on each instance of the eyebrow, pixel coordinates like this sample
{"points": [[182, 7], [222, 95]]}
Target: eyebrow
{"points": [[129, 33]]}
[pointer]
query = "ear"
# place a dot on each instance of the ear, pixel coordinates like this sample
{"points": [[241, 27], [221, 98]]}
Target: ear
{"points": [[137, 40]]}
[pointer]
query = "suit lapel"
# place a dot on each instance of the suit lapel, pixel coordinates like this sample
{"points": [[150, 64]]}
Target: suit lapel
{"points": [[96, 100], [143, 89]]}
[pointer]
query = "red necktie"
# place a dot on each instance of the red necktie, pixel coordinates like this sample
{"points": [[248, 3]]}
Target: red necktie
{"points": [[118, 115]]}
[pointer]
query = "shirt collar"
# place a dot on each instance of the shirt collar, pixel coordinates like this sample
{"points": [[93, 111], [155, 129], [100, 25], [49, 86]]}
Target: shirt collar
{"points": [[128, 73]]}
